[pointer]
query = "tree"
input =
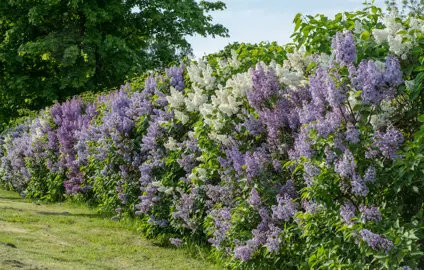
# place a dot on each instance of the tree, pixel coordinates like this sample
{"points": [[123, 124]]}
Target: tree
{"points": [[53, 49]]}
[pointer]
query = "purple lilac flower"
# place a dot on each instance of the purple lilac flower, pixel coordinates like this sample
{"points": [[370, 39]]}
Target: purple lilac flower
{"points": [[370, 174], [347, 212], [147, 200], [336, 95], [254, 198], [176, 77], [347, 165], [70, 117], [244, 253], [359, 186], [318, 88], [222, 223], [254, 126], [276, 118], [285, 208], [302, 145], [217, 193], [329, 155], [184, 207], [338, 143], [289, 189], [389, 142], [310, 172], [329, 124], [309, 112], [344, 47], [158, 221], [13, 162], [255, 162], [393, 73], [277, 165], [352, 134], [265, 86], [176, 242], [188, 162], [376, 241], [259, 238], [376, 84], [370, 213], [273, 240], [310, 206], [237, 158]]}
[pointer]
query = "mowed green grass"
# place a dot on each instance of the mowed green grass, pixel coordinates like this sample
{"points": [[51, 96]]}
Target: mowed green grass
{"points": [[67, 236]]}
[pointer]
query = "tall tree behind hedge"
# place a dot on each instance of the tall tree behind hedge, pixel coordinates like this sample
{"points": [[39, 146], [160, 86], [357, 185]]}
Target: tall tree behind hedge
{"points": [[53, 49]]}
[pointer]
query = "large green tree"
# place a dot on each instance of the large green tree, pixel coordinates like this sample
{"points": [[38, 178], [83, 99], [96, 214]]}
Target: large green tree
{"points": [[53, 49]]}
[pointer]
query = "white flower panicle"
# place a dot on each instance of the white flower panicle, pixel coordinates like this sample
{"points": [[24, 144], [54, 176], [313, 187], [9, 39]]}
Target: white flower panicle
{"points": [[225, 101], [172, 144], [399, 39], [240, 84], [176, 99], [179, 115], [200, 174], [298, 61], [193, 101], [201, 74]]}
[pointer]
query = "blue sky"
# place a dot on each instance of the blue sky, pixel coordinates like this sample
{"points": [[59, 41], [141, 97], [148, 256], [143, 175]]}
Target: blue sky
{"points": [[266, 20]]}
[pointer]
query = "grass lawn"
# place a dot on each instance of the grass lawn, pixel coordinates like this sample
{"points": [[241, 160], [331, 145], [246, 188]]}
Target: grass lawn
{"points": [[67, 236]]}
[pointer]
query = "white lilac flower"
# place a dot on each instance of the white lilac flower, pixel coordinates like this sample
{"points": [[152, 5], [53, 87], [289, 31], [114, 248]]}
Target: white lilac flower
{"points": [[358, 27], [172, 144], [380, 35], [240, 84], [181, 116], [298, 61], [176, 99], [194, 100], [201, 73]]}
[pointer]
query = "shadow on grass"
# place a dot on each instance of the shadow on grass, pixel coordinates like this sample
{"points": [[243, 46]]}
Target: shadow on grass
{"points": [[67, 214], [14, 209], [11, 198]]}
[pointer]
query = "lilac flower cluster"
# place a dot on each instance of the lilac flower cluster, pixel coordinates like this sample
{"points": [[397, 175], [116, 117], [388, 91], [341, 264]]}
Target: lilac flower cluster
{"points": [[376, 84], [17, 147], [265, 86], [285, 208], [176, 75], [345, 48], [254, 199], [388, 143], [370, 213], [176, 242], [222, 224], [376, 241], [347, 212], [71, 117]]}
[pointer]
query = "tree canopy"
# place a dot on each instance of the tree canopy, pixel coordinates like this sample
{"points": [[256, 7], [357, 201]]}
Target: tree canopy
{"points": [[53, 49]]}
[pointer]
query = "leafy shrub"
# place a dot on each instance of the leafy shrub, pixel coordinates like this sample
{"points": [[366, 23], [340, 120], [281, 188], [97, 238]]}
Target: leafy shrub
{"points": [[308, 160]]}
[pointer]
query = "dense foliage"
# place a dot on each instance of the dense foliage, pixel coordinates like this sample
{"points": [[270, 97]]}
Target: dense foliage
{"points": [[312, 160], [51, 50]]}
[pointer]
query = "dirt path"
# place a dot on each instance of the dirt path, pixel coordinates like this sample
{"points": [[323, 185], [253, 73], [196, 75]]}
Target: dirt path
{"points": [[64, 236]]}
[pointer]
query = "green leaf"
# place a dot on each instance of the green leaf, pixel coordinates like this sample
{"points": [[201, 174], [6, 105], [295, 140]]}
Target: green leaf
{"points": [[365, 35], [420, 68]]}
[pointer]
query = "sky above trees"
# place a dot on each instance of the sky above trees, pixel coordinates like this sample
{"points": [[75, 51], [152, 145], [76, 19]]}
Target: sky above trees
{"points": [[266, 20]]}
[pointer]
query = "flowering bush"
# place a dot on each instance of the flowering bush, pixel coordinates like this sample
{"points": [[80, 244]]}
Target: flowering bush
{"points": [[305, 162]]}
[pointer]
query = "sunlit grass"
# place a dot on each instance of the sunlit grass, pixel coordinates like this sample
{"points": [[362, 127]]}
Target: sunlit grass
{"points": [[69, 236]]}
